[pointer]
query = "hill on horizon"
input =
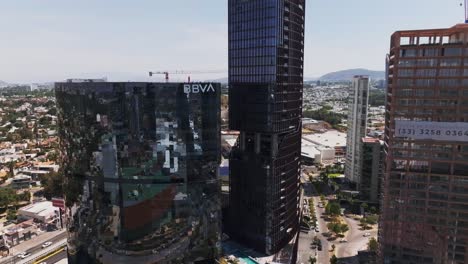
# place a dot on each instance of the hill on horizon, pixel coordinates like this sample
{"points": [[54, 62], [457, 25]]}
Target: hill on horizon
{"points": [[346, 75]]}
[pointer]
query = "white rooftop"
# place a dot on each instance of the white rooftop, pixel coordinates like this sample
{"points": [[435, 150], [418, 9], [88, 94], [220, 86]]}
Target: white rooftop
{"points": [[331, 138], [39, 208], [309, 149]]}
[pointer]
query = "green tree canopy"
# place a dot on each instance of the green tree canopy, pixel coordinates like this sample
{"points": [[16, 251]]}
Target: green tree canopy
{"points": [[373, 245], [333, 209], [7, 197]]}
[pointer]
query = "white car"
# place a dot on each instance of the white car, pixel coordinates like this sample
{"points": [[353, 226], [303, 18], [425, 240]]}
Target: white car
{"points": [[366, 234], [25, 255], [343, 240], [46, 244]]}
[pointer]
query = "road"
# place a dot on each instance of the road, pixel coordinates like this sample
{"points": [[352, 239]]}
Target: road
{"points": [[33, 245], [356, 239], [306, 239], [56, 258]]}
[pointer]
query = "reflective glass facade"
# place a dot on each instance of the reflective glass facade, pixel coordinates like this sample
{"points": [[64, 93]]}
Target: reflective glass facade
{"points": [[266, 52], [425, 200], [141, 171]]}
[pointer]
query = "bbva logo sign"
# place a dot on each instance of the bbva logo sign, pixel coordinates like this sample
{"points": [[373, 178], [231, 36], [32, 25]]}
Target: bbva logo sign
{"points": [[198, 88]]}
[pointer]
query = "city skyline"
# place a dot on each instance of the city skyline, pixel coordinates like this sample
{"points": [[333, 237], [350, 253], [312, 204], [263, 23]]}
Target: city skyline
{"points": [[55, 40]]}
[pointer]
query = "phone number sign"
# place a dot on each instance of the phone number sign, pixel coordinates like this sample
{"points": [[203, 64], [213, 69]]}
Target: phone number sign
{"points": [[444, 131]]}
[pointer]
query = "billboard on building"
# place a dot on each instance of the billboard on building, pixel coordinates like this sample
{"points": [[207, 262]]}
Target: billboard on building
{"points": [[444, 131]]}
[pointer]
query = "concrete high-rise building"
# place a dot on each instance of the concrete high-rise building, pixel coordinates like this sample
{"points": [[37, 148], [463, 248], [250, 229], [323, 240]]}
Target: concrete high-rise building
{"points": [[357, 126], [140, 164], [266, 53], [425, 201], [371, 169]]}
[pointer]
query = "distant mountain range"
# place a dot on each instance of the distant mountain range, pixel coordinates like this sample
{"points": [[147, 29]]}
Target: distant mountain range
{"points": [[3, 84], [346, 75]]}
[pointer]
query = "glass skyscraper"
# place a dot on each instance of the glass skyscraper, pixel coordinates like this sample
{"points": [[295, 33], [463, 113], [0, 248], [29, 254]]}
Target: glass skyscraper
{"points": [[141, 171], [266, 52]]}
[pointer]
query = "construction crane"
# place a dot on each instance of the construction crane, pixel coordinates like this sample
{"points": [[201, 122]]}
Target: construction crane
{"points": [[466, 10], [166, 73]]}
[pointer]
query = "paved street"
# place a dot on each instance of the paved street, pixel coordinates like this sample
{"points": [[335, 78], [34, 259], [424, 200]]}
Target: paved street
{"points": [[356, 239], [306, 239], [34, 245], [56, 258]]}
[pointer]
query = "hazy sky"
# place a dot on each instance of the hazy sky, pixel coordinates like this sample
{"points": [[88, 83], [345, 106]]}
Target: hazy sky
{"points": [[50, 40]]}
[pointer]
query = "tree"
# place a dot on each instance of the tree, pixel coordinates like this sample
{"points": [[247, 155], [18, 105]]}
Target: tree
{"points": [[333, 209], [333, 259], [8, 197], [53, 185], [312, 260], [373, 210], [25, 196], [11, 214], [11, 167], [364, 206], [344, 228], [373, 245]]}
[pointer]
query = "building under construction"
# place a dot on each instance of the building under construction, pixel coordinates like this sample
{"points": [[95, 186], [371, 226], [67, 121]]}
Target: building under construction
{"points": [[425, 202]]}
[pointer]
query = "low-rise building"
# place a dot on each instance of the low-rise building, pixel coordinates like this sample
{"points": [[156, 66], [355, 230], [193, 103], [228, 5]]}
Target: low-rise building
{"points": [[312, 153], [18, 233], [331, 139], [43, 212], [21, 181]]}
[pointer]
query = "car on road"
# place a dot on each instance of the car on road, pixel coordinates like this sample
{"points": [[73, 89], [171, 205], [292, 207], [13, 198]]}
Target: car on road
{"points": [[317, 229], [343, 240], [366, 234], [20, 255], [46, 244], [25, 255]]}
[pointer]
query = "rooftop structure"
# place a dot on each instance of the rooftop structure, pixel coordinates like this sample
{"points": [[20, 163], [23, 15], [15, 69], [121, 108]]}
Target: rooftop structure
{"points": [[41, 211], [330, 138]]}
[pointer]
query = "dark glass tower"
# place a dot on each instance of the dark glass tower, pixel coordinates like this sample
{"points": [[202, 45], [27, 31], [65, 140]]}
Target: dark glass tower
{"points": [[141, 171], [266, 51]]}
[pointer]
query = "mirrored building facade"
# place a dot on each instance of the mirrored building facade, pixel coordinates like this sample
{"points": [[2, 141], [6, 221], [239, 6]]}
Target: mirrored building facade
{"points": [[141, 171], [266, 53]]}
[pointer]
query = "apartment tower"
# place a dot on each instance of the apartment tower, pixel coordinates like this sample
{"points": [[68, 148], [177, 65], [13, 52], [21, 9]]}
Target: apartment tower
{"points": [[425, 201], [357, 126], [266, 53]]}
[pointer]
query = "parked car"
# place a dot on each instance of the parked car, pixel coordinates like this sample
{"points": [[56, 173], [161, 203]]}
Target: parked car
{"points": [[25, 255], [46, 244], [317, 229], [366, 234], [343, 240]]}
